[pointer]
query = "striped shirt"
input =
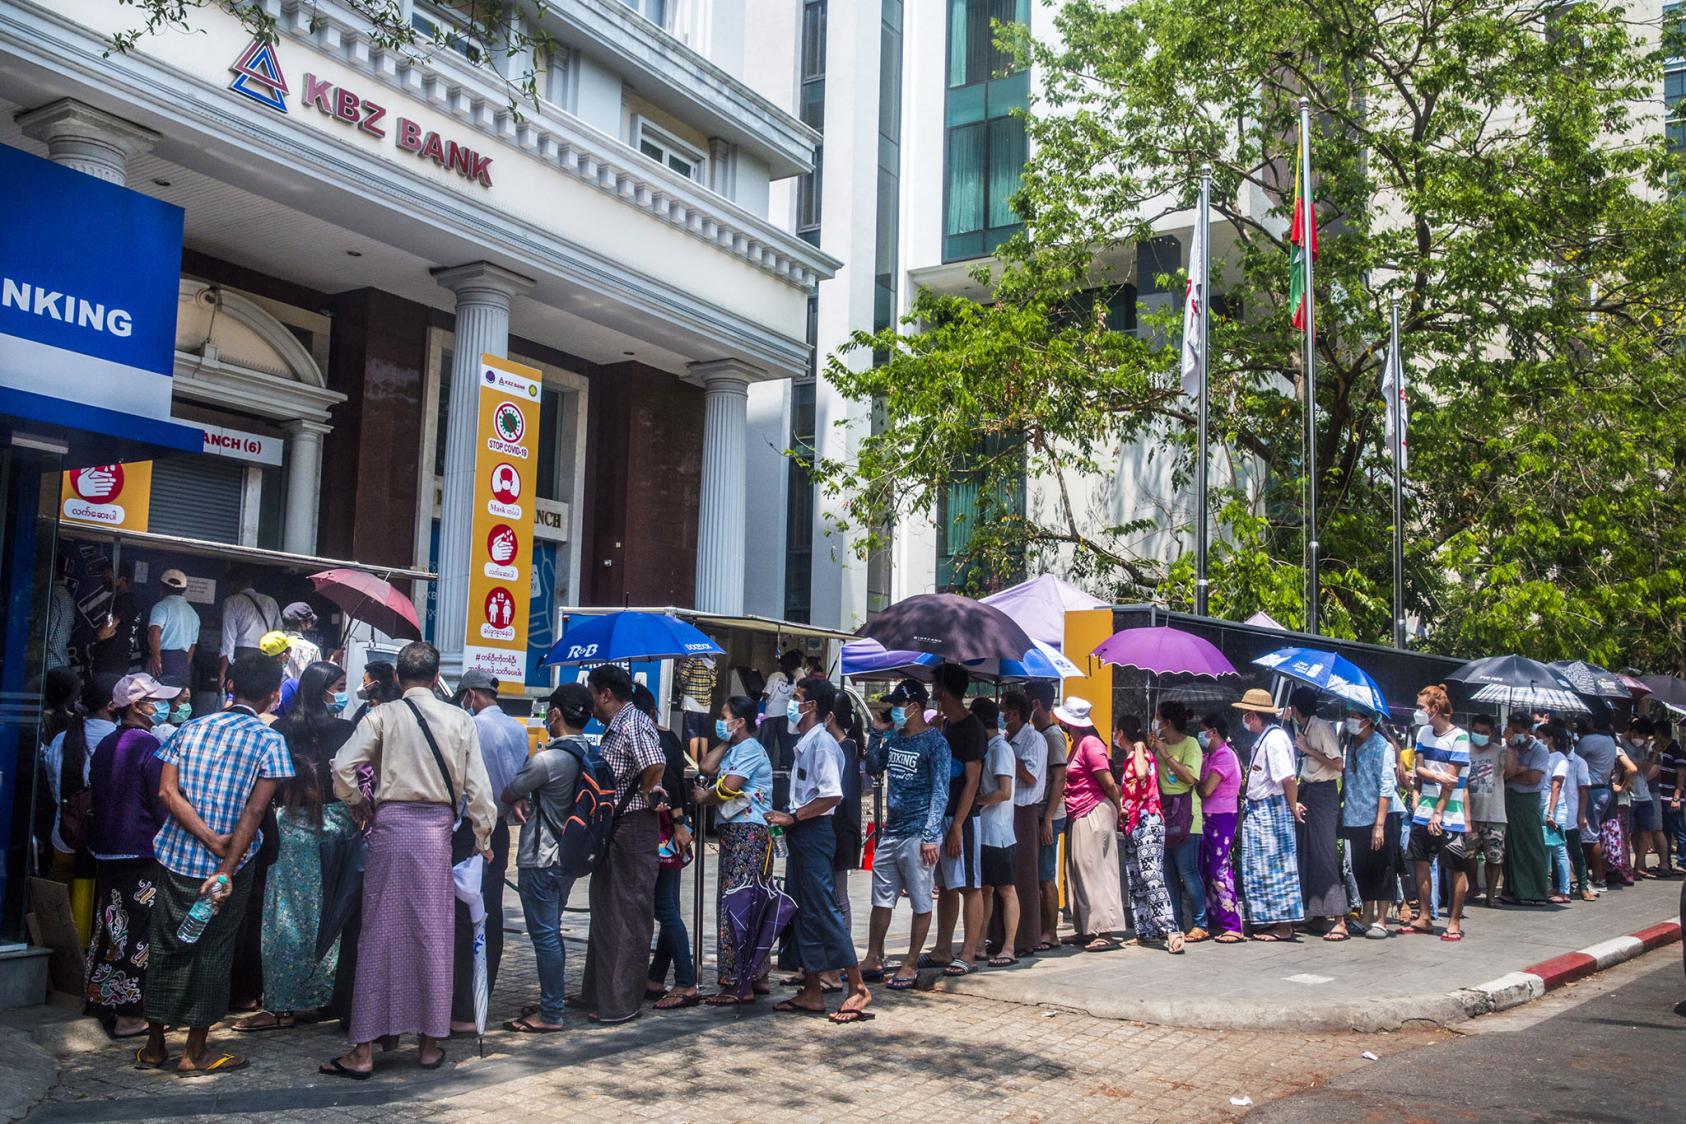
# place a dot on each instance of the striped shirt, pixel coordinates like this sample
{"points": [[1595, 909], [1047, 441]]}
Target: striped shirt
{"points": [[219, 759], [1443, 752]]}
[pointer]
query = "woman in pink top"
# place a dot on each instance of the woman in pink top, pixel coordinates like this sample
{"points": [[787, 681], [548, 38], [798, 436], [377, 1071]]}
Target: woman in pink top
{"points": [[1143, 822], [1091, 808], [1220, 788]]}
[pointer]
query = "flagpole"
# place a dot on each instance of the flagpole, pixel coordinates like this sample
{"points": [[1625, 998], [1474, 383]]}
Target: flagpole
{"points": [[1396, 406], [1308, 198], [1204, 233]]}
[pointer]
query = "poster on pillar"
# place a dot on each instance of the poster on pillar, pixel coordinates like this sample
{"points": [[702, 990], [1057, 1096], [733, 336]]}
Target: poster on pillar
{"points": [[501, 542]]}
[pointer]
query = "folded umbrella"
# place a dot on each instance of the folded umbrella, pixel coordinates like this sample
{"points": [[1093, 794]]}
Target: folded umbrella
{"points": [[949, 627], [630, 636], [369, 599], [342, 886], [466, 881], [1329, 672], [756, 912]]}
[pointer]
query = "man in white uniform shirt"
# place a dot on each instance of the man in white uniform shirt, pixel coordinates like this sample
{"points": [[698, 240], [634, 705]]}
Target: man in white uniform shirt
{"points": [[246, 616]]}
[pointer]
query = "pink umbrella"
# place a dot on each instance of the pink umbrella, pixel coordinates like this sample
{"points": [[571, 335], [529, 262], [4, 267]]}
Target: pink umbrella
{"points": [[371, 600], [1164, 651]]}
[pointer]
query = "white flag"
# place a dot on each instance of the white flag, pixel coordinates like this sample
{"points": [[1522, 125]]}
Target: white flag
{"points": [[1194, 307], [1393, 398]]}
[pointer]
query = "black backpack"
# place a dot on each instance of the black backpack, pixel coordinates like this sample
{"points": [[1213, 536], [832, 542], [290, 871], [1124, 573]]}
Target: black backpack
{"points": [[582, 841]]}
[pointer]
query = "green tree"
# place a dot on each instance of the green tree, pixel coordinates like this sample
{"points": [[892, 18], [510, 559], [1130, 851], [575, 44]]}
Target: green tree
{"points": [[1497, 167]]}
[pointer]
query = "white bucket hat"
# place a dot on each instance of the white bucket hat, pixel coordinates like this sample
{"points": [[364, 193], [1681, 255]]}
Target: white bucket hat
{"points": [[1074, 712]]}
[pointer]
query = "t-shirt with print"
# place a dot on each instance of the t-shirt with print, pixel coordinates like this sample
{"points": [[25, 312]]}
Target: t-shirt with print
{"points": [[1484, 784], [1531, 754], [1670, 761], [916, 782], [1444, 753], [995, 822], [968, 741], [1187, 754]]}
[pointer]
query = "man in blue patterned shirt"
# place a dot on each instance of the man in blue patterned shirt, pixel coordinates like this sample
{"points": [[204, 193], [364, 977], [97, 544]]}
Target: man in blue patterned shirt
{"points": [[219, 776]]}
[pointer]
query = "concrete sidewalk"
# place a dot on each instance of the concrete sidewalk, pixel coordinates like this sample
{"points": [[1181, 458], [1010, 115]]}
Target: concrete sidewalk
{"points": [[1311, 984]]}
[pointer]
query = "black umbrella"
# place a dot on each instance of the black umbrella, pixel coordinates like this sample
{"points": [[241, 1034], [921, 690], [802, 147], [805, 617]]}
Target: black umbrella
{"points": [[1519, 681], [1591, 680], [948, 625], [1667, 691]]}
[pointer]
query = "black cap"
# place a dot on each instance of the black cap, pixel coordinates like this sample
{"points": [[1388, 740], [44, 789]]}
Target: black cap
{"points": [[908, 690]]}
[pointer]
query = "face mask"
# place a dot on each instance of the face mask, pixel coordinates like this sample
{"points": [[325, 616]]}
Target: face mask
{"points": [[1204, 739], [1420, 717], [363, 693], [1479, 739], [1355, 726], [181, 713], [898, 716], [1001, 724], [1156, 727], [157, 712], [338, 703], [793, 712], [721, 729]]}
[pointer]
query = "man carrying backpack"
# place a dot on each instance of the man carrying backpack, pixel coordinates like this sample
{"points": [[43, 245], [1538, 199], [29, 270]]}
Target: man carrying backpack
{"points": [[623, 883], [542, 795]]}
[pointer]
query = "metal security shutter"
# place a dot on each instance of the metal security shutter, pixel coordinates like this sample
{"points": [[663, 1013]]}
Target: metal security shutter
{"points": [[198, 497]]}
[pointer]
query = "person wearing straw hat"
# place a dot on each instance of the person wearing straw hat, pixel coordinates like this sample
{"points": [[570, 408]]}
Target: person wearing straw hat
{"points": [[1092, 807], [1270, 877]]}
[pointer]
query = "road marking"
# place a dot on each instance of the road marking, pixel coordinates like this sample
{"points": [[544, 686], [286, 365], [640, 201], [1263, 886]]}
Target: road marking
{"points": [[1308, 978]]}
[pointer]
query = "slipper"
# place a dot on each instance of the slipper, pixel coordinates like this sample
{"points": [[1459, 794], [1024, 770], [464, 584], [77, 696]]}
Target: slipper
{"points": [[847, 1016], [1100, 944], [793, 981], [874, 976], [1044, 946], [1229, 938], [1337, 935], [655, 996], [601, 1021], [722, 999], [1451, 936], [791, 1007], [1409, 930], [275, 1023], [225, 1063], [1376, 933], [830, 988], [675, 1002], [926, 960], [897, 983], [435, 1063], [337, 1068], [957, 967], [522, 1026], [142, 1063], [1272, 938], [1003, 961]]}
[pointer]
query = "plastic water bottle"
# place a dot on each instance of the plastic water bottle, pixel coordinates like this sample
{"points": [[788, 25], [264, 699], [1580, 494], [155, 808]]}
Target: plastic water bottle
{"points": [[780, 850], [193, 925]]}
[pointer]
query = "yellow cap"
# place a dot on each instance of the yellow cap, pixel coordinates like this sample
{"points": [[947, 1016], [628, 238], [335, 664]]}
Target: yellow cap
{"points": [[274, 644]]}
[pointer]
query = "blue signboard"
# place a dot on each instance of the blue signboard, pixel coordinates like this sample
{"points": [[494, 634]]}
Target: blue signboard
{"points": [[89, 278]]}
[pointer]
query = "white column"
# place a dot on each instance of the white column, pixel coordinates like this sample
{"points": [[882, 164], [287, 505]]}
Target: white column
{"points": [[483, 294], [304, 485], [87, 139], [724, 503]]}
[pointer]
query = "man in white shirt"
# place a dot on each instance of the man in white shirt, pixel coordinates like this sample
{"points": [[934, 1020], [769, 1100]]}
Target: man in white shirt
{"points": [[172, 631], [297, 619], [1030, 753], [816, 788], [1270, 872], [246, 616]]}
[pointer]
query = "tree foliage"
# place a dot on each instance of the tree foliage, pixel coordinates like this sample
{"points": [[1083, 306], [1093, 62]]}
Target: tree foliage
{"points": [[1499, 168]]}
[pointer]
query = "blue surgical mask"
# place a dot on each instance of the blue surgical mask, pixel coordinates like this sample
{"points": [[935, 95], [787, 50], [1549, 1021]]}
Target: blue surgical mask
{"points": [[181, 713], [1204, 739], [339, 703], [158, 712], [721, 729], [1479, 739], [793, 712], [1001, 723], [898, 716]]}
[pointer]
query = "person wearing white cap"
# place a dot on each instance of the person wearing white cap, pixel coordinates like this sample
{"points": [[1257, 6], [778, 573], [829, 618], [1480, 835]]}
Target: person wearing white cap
{"points": [[172, 631], [1092, 808], [123, 781]]}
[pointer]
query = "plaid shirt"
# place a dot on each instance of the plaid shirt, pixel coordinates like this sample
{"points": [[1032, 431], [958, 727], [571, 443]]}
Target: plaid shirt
{"points": [[630, 745], [696, 678], [219, 757]]}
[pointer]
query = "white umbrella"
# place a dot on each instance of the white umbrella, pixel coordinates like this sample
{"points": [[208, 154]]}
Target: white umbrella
{"points": [[466, 878]]}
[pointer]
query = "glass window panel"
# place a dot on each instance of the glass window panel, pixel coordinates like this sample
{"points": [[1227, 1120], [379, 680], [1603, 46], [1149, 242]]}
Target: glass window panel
{"points": [[813, 39], [812, 109], [1006, 168], [965, 195], [653, 151], [957, 42], [965, 106], [890, 84]]}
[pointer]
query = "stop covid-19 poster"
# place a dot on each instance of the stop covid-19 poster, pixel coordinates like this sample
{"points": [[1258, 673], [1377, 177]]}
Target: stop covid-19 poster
{"points": [[500, 569]]}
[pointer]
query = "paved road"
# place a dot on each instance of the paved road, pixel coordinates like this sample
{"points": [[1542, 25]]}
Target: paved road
{"points": [[1605, 1049]]}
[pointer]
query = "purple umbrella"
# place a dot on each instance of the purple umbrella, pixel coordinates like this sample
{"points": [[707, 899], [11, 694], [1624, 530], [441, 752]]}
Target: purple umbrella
{"points": [[1164, 651], [949, 626], [756, 912]]}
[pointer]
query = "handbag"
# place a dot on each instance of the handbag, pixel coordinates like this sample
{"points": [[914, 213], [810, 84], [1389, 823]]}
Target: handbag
{"points": [[76, 803], [1178, 811], [463, 843], [670, 856]]}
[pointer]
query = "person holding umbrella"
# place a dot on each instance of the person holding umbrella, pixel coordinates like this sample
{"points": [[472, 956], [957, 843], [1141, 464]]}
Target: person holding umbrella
{"points": [[816, 788], [1370, 820], [1270, 875], [743, 794]]}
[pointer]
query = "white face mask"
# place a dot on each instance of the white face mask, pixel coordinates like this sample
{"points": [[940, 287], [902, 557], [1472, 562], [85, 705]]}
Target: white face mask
{"points": [[1421, 718], [1355, 726]]}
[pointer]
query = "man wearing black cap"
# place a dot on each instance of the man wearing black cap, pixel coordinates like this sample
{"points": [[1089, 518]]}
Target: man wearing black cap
{"points": [[915, 756], [503, 747], [296, 620]]}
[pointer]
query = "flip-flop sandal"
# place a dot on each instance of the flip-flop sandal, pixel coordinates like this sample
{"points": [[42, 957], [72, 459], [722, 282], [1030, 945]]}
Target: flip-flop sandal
{"points": [[337, 1068], [1410, 930], [1451, 936], [1229, 938], [722, 999], [1044, 946], [142, 1063], [792, 981], [1336, 936], [1272, 938], [898, 983], [435, 1063], [957, 967], [874, 976], [1107, 946], [676, 1002], [849, 1017], [926, 960], [522, 1026], [790, 1007], [225, 1063], [830, 989], [1003, 961], [275, 1024]]}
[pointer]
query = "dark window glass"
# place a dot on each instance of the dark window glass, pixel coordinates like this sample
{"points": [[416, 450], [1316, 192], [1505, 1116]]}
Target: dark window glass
{"points": [[813, 39], [808, 193]]}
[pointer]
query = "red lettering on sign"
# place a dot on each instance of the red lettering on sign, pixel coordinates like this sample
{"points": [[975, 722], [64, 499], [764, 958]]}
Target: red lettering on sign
{"points": [[371, 114], [432, 150], [347, 105], [459, 158], [318, 94], [482, 169], [409, 135]]}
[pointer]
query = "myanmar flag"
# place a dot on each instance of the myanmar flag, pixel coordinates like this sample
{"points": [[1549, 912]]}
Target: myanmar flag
{"points": [[1302, 236]]}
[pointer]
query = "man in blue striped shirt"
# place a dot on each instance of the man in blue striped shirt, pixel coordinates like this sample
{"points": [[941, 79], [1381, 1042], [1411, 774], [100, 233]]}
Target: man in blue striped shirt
{"points": [[1438, 826]]}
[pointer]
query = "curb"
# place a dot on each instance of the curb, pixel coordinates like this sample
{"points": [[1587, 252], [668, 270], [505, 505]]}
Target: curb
{"points": [[1517, 988]]}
